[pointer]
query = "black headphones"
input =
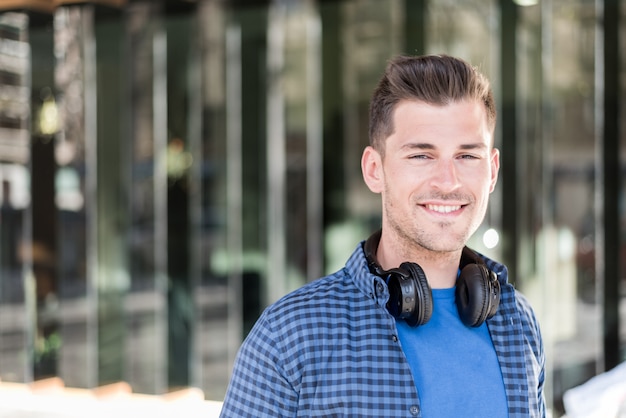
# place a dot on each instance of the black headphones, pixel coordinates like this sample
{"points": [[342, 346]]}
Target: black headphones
{"points": [[410, 298]]}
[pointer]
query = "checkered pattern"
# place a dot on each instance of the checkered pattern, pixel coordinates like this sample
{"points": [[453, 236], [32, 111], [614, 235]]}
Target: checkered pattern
{"points": [[517, 339], [331, 349]]}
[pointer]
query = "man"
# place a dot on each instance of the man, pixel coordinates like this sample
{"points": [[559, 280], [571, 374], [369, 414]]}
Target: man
{"points": [[416, 324]]}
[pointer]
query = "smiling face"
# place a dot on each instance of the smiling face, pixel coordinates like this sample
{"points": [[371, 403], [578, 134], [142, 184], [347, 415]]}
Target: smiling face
{"points": [[438, 169]]}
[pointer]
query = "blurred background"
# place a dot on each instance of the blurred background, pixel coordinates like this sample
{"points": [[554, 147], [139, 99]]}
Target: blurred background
{"points": [[171, 167]]}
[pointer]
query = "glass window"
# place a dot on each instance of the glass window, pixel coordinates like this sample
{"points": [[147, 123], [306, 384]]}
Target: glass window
{"points": [[17, 283], [172, 168]]}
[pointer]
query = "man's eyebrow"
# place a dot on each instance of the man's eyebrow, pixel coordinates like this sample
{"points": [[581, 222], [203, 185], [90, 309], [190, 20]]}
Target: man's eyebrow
{"points": [[418, 145], [430, 146], [477, 145]]}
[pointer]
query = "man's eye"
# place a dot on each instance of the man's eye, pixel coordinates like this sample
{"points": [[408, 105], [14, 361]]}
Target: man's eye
{"points": [[469, 157]]}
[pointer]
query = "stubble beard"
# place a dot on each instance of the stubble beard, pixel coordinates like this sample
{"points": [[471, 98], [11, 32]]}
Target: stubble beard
{"points": [[436, 238]]}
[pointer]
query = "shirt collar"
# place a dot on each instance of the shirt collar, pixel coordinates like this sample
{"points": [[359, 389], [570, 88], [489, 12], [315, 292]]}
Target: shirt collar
{"points": [[368, 283]]}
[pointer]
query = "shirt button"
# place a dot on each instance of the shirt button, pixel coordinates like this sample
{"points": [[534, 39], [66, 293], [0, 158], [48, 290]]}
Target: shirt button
{"points": [[394, 338], [414, 410]]}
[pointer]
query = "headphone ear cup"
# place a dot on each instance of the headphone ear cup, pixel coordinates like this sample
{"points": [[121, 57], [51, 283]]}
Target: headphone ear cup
{"points": [[477, 294], [410, 295]]}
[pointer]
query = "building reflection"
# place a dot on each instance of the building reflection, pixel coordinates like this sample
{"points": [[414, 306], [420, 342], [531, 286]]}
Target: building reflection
{"points": [[169, 168]]}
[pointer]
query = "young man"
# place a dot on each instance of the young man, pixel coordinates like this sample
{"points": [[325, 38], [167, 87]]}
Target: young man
{"points": [[416, 324]]}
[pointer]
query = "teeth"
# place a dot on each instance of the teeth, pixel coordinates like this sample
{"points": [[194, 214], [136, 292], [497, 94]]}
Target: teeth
{"points": [[443, 208]]}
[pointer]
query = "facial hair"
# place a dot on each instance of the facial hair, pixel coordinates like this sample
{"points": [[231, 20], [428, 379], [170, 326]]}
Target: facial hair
{"points": [[439, 237]]}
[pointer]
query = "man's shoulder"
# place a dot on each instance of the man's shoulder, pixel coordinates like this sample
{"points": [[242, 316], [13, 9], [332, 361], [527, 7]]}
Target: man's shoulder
{"points": [[326, 309], [321, 288], [318, 298], [344, 287]]}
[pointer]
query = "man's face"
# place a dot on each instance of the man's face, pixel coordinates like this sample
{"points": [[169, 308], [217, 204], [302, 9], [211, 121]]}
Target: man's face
{"points": [[436, 176]]}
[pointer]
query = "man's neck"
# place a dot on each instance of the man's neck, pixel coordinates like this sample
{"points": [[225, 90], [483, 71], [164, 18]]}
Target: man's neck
{"points": [[441, 268]]}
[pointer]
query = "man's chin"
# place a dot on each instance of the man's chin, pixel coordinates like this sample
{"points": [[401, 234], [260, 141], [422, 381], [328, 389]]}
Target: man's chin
{"points": [[445, 245]]}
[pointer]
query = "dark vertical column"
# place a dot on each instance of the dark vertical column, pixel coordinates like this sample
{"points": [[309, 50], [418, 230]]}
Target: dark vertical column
{"points": [[610, 186], [42, 185], [253, 21], [508, 123], [179, 28], [112, 220], [414, 27], [332, 112]]}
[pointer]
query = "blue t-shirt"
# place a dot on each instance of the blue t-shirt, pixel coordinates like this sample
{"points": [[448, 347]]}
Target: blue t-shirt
{"points": [[455, 367]]}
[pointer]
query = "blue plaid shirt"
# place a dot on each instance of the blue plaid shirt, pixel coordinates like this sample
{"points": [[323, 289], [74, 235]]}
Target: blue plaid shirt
{"points": [[331, 349]]}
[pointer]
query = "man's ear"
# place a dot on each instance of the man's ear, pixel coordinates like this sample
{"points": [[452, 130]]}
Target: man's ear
{"points": [[372, 169], [495, 168]]}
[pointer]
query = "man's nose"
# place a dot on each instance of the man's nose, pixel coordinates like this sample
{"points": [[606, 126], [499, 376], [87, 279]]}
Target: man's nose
{"points": [[445, 176]]}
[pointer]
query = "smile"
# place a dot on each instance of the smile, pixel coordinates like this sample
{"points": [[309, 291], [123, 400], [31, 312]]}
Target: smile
{"points": [[443, 208]]}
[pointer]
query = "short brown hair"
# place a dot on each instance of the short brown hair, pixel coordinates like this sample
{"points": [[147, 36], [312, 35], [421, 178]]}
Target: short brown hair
{"points": [[433, 79]]}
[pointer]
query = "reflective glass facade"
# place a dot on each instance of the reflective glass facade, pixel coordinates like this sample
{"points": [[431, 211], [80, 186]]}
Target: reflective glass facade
{"points": [[169, 168]]}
